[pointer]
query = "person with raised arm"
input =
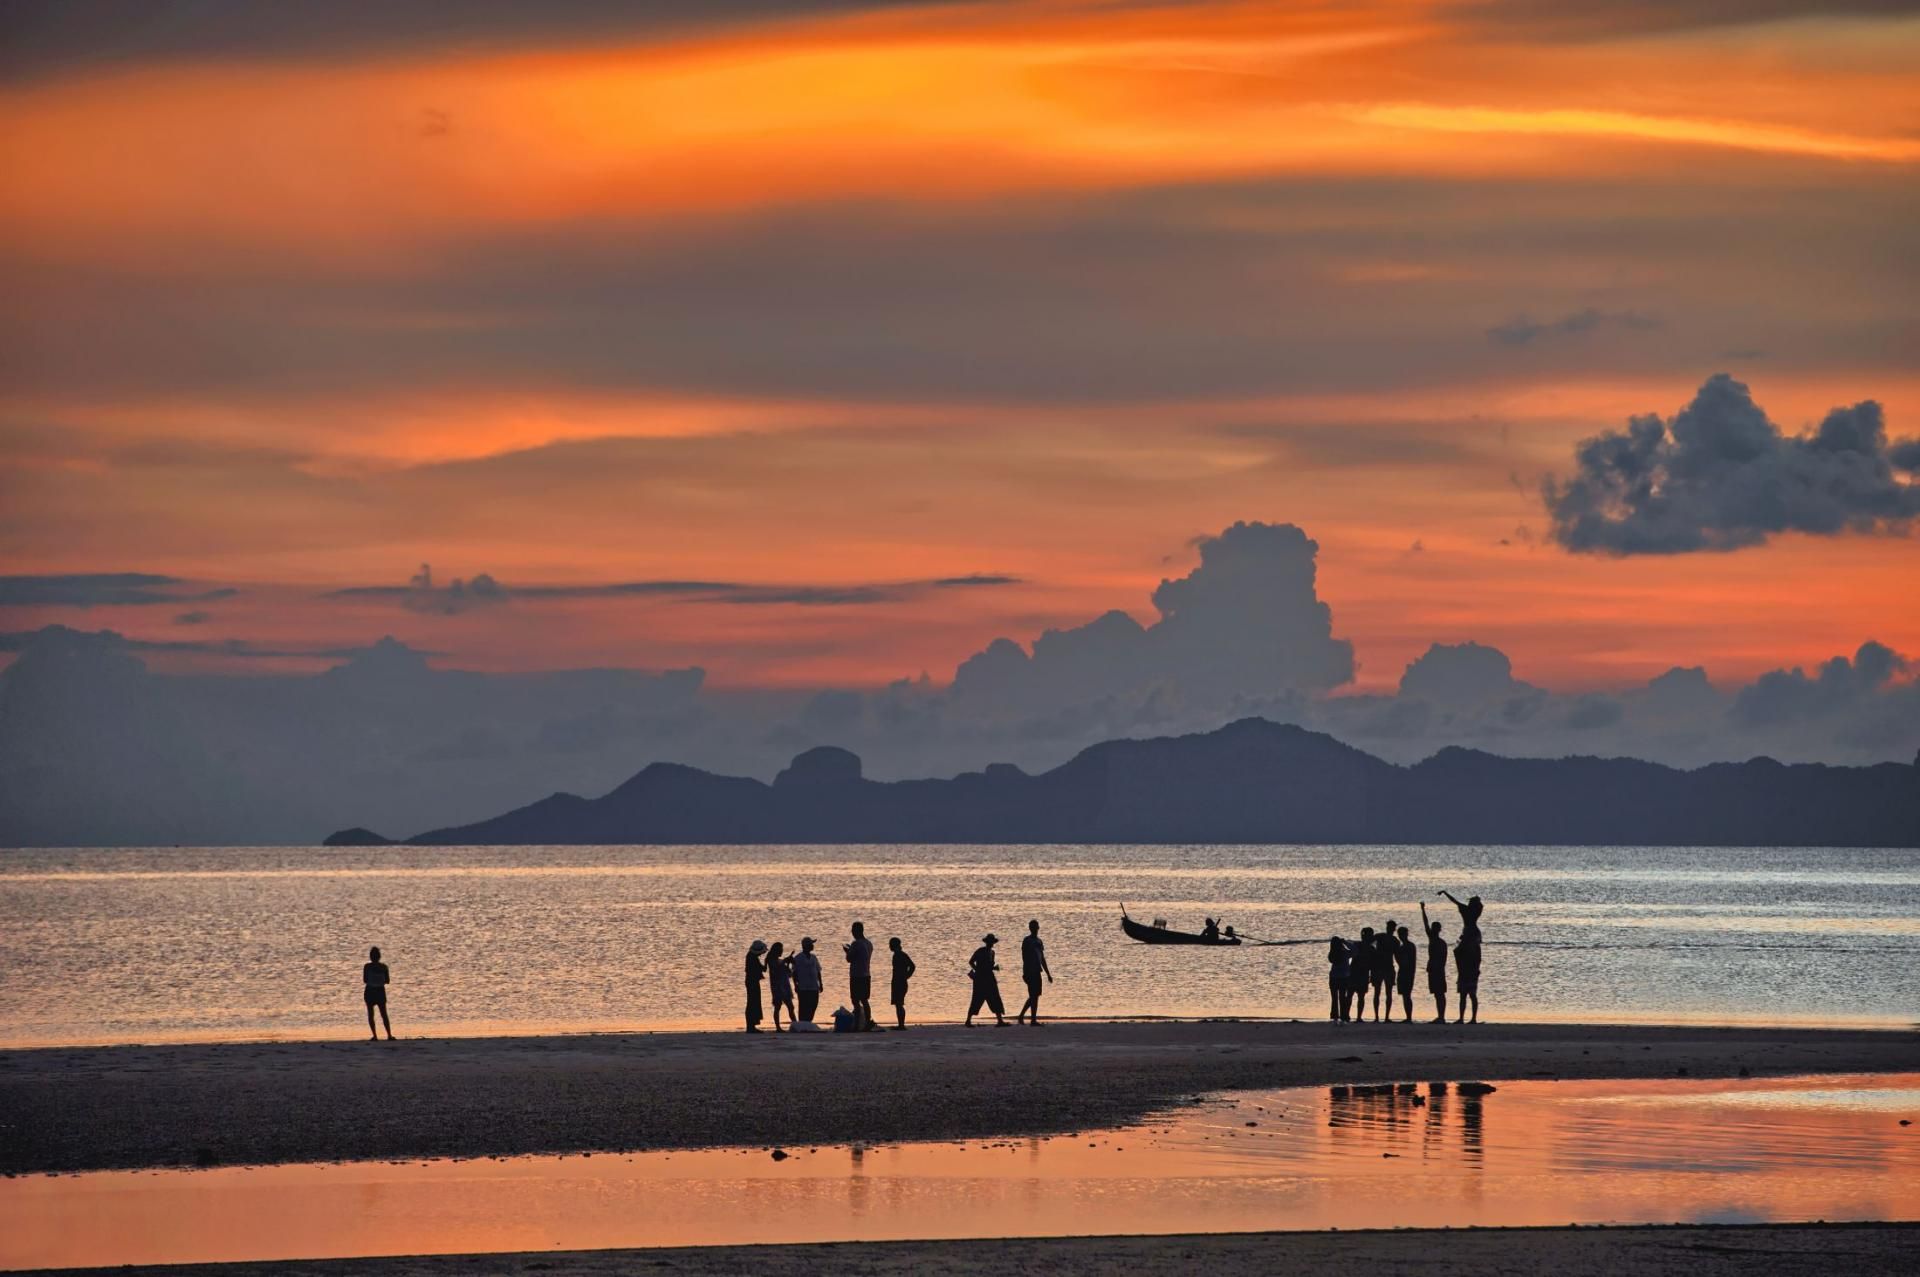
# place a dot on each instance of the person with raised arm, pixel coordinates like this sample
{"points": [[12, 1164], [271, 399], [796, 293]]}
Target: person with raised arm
{"points": [[1466, 956]]}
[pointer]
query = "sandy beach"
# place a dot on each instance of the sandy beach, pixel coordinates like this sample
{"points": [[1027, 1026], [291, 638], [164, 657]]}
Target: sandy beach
{"points": [[1864, 1249], [72, 1109]]}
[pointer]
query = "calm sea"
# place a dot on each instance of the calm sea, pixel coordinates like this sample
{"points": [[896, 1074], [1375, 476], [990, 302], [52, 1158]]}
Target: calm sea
{"points": [[177, 944]]}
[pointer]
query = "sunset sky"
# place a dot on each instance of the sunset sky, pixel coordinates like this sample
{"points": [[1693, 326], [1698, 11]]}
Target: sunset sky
{"points": [[821, 344]]}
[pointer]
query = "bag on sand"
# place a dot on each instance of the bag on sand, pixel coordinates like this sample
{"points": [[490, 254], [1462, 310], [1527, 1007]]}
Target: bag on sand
{"points": [[843, 1021]]}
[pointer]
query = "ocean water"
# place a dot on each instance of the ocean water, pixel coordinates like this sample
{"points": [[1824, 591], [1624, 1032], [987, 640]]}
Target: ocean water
{"points": [[174, 944]]}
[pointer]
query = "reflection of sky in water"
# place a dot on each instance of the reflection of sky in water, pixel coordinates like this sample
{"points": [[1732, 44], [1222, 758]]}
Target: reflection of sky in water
{"points": [[1381, 1155], [163, 944]]}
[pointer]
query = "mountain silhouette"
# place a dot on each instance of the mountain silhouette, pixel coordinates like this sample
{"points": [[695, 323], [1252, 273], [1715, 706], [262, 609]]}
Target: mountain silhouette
{"points": [[1252, 781]]}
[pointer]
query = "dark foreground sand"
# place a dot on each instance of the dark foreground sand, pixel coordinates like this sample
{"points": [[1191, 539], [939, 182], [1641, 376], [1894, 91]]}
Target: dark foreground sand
{"points": [[95, 1108], [1859, 1250]]}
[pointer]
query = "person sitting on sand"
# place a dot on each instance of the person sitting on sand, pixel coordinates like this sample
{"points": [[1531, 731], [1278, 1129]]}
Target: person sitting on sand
{"points": [[1339, 970], [780, 983], [806, 978], [902, 972], [1436, 965], [1033, 964], [986, 985], [1407, 953], [376, 978], [1360, 973], [756, 971], [860, 977]]}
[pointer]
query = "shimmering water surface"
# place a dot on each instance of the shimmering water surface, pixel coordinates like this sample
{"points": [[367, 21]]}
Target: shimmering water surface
{"points": [[1383, 1156], [184, 943]]}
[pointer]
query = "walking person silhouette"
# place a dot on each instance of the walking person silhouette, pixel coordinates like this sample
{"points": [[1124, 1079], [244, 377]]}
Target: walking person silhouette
{"points": [[902, 972], [986, 985], [1436, 965], [375, 977], [1033, 965]]}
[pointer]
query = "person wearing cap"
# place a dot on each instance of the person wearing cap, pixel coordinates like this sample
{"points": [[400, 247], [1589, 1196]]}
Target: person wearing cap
{"points": [[756, 971], [986, 985], [806, 978]]}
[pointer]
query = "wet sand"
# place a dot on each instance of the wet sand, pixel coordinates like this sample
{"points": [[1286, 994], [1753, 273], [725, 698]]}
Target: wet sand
{"points": [[1862, 1249], [70, 1109]]}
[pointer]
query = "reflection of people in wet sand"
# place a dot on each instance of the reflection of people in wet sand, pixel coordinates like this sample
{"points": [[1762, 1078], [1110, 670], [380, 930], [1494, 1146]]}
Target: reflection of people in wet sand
{"points": [[756, 971], [1466, 956], [1339, 972], [986, 985], [902, 972], [1407, 954], [1033, 965], [1436, 965], [375, 977]]}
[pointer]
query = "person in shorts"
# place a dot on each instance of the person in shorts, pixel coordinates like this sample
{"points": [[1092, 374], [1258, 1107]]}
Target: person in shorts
{"points": [[375, 977], [1407, 954], [1033, 965], [1436, 965], [902, 972], [860, 977], [807, 981]]}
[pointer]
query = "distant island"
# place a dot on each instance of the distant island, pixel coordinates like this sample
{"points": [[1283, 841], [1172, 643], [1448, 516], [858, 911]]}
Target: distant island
{"points": [[1252, 781]]}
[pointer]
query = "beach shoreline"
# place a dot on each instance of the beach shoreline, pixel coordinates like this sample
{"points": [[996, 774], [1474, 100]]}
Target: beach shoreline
{"points": [[131, 1107], [1702, 1250]]}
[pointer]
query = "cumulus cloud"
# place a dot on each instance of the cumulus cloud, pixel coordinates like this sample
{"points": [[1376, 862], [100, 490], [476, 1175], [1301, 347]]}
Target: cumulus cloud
{"points": [[1461, 674], [1245, 623], [1720, 475], [1789, 696]]}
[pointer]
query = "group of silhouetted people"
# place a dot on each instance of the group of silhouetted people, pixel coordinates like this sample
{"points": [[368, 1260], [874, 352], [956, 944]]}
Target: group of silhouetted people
{"points": [[799, 973], [1383, 964]]}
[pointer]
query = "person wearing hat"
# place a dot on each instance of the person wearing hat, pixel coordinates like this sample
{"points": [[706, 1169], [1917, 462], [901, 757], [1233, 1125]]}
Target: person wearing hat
{"points": [[756, 970], [806, 979], [986, 985]]}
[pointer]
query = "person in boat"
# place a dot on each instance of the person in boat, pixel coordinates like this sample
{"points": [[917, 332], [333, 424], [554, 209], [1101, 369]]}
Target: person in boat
{"points": [[1211, 932], [860, 977], [1339, 971], [780, 983], [1436, 965], [375, 977], [806, 978], [1033, 965], [756, 972], [1360, 973], [902, 972], [1381, 973], [986, 985], [1407, 954]]}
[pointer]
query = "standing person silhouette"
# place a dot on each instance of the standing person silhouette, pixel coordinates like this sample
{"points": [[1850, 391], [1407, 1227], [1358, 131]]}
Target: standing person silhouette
{"points": [[1408, 955], [375, 977], [1360, 973], [756, 971], [780, 984], [902, 972], [860, 978], [1033, 965], [1436, 965], [1466, 956], [1384, 948], [1339, 972], [806, 978], [986, 985]]}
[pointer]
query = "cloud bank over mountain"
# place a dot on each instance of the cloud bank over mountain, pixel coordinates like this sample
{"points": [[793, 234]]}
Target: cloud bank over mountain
{"points": [[95, 747]]}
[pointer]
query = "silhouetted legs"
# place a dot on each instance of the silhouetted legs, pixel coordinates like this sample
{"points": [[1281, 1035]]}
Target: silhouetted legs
{"points": [[386, 1023], [1032, 1005], [988, 996], [809, 1003]]}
